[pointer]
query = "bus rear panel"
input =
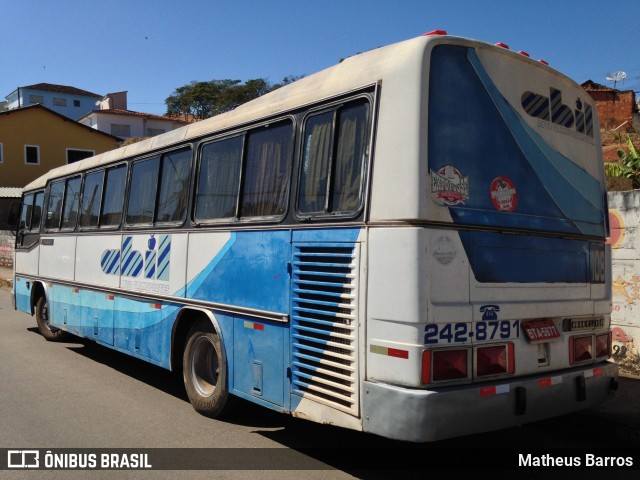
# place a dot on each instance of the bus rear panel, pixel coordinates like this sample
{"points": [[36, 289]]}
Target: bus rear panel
{"points": [[492, 308]]}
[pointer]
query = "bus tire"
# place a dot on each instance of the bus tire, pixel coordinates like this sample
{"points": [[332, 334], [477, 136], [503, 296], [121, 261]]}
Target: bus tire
{"points": [[50, 333], [205, 371]]}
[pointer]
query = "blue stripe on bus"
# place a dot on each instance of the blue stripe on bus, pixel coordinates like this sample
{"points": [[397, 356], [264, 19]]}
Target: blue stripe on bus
{"points": [[498, 258], [150, 264], [553, 194], [164, 251], [110, 262], [578, 195]]}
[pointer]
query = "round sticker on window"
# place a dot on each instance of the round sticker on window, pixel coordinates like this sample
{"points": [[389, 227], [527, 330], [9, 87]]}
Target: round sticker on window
{"points": [[504, 195]]}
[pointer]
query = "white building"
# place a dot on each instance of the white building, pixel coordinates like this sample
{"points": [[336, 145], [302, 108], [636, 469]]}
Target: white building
{"points": [[114, 118]]}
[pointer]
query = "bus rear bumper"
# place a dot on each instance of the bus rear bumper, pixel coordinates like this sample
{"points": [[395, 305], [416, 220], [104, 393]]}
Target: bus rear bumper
{"points": [[435, 414]]}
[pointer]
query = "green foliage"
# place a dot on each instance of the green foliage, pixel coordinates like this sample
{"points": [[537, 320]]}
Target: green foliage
{"points": [[628, 166], [205, 99]]}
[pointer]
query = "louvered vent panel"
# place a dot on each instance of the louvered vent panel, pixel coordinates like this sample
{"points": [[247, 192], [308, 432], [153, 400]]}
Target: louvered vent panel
{"points": [[324, 324]]}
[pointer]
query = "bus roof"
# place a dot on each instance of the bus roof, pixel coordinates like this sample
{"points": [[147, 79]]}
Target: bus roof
{"points": [[351, 74]]}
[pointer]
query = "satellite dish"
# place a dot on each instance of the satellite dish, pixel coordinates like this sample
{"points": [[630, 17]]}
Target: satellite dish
{"points": [[616, 77]]}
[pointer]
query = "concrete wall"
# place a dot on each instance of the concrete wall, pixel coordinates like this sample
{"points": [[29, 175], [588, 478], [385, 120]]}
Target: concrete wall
{"points": [[624, 215], [7, 241]]}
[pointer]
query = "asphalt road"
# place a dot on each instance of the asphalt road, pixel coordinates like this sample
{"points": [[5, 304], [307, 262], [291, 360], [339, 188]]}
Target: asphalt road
{"points": [[79, 395]]}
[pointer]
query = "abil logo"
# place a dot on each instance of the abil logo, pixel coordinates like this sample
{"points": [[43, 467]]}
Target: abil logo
{"points": [[154, 261], [553, 110]]}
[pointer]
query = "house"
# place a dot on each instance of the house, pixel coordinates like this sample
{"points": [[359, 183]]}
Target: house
{"points": [[617, 109], [35, 139], [115, 118], [71, 102]]}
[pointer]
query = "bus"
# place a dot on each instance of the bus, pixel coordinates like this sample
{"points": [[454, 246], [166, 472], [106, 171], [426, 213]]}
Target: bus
{"points": [[410, 243]]}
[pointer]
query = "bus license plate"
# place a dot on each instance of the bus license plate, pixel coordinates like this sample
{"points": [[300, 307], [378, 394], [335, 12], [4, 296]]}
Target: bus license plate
{"points": [[540, 330]]}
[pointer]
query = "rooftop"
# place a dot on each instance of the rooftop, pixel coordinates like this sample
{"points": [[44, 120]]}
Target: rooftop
{"points": [[115, 111], [50, 87]]}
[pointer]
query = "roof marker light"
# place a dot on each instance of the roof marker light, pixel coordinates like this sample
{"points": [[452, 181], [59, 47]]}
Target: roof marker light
{"points": [[544, 62], [524, 53], [503, 45], [435, 32]]}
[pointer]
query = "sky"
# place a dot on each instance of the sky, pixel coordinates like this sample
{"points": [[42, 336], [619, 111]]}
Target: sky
{"points": [[150, 48]]}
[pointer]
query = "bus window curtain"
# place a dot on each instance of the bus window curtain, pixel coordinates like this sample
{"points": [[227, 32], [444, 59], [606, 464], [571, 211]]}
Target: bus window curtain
{"points": [[349, 158], [114, 189], [267, 172], [219, 179], [174, 187], [317, 153], [142, 197]]}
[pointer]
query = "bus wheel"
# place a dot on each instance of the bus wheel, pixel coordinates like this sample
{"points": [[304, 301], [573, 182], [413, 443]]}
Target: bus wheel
{"points": [[204, 370], [42, 317]]}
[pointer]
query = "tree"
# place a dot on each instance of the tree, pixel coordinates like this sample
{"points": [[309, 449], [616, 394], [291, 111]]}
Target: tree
{"points": [[202, 100], [628, 166]]}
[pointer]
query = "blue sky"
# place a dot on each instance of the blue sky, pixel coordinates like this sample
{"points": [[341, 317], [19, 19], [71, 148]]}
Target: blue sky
{"points": [[150, 48]]}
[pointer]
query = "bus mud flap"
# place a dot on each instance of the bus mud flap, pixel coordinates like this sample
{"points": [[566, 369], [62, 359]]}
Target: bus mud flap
{"points": [[521, 400], [581, 389]]}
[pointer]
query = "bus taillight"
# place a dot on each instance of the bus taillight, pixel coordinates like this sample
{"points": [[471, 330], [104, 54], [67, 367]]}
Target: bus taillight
{"points": [[442, 365], [449, 364], [495, 360], [603, 345], [580, 349], [426, 367]]}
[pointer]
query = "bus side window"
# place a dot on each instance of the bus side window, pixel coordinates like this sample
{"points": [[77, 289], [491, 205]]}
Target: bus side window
{"points": [[335, 150], [30, 217], [265, 183], [219, 179], [71, 203], [36, 213], [115, 182], [174, 186], [54, 206], [142, 191], [25, 214], [91, 199]]}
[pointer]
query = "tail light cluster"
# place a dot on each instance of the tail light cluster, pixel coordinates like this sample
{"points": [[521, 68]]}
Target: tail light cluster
{"points": [[586, 348], [457, 364]]}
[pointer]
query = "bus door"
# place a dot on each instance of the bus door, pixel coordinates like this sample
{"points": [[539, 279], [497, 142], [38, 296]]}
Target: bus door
{"points": [[27, 247]]}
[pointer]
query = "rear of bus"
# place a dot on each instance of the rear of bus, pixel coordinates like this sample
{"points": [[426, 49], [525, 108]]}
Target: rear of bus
{"points": [[489, 280]]}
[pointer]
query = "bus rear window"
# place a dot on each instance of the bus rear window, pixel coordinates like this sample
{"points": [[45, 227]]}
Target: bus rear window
{"points": [[488, 166]]}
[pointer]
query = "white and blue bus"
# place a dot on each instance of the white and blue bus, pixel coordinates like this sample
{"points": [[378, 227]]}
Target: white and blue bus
{"points": [[410, 243]]}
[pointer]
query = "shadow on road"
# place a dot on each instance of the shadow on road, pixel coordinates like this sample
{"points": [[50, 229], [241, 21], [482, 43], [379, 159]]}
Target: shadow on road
{"points": [[368, 456]]}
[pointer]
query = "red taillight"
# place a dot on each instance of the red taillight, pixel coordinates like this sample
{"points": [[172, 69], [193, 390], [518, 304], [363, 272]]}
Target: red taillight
{"points": [[435, 32], [426, 367], [449, 364], [495, 360], [581, 349], [603, 345], [491, 360]]}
